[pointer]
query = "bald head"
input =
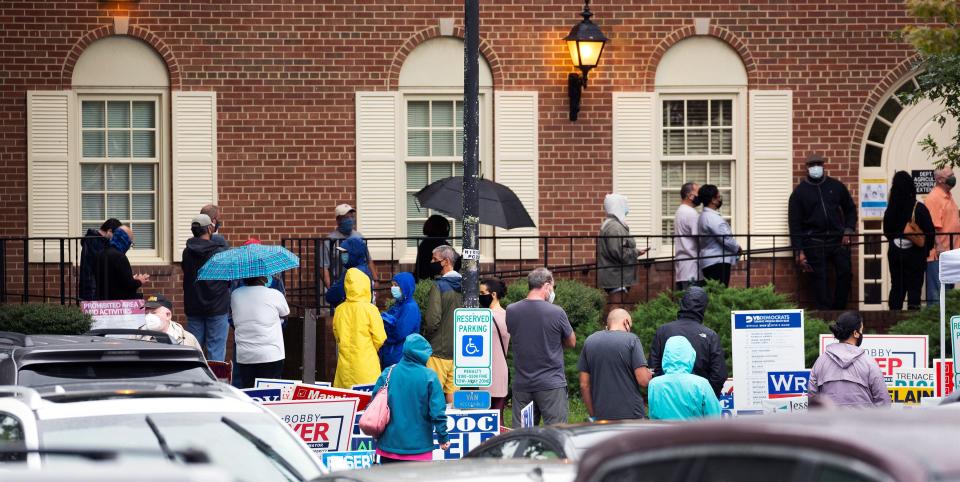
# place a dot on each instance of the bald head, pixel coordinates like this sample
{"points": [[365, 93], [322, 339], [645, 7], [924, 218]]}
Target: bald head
{"points": [[619, 320], [127, 230]]}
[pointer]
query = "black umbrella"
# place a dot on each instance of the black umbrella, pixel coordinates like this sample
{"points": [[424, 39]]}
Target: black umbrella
{"points": [[499, 206]]}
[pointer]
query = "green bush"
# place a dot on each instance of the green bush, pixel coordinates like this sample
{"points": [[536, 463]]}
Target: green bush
{"points": [[663, 309], [927, 322], [44, 319]]}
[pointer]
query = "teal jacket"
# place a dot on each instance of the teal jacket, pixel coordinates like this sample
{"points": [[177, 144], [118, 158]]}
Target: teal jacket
{"points": [[417, 404], [678, 394]]}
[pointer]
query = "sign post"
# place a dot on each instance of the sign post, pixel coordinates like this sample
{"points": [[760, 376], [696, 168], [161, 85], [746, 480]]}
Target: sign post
{"points": [[763, 342], [472, 344]]}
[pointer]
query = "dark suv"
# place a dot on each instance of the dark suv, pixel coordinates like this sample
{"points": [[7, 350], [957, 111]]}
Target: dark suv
{"points": [[54, 362]]}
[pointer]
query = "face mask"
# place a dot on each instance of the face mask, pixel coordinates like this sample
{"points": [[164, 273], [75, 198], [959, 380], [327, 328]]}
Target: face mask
{"points": [[860, 340], [720, 204], [121, 241], [216, 228], [486, 301], [815, 172], [552, 297], [344, 257], [626, 211], [396, 293], [696, 201], [346, 226], [437, 267], [951, 181]]}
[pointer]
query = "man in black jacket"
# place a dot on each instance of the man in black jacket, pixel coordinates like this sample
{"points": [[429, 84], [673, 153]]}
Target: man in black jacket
{"points": [[822, 217], [94, 241], [114, 276], [206, 303], [711, 362]]}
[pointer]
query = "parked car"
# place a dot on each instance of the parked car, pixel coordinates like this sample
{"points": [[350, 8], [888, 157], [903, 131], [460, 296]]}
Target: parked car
{"points": [[834, 446], [568, 441], [239, 436], [118, 472], [465, 470], [46, 362]]}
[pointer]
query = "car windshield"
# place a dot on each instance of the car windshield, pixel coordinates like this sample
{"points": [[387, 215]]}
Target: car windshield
{"points": [[45, 374], [229, 449]]}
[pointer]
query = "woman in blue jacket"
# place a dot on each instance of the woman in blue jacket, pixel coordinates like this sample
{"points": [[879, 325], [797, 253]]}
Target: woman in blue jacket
{"points": [[402, 319], [678, 394], [418, 408]]}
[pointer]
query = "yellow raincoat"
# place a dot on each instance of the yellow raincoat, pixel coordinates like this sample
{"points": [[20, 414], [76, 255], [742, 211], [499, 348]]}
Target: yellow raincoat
{"points": [[358, 329]]}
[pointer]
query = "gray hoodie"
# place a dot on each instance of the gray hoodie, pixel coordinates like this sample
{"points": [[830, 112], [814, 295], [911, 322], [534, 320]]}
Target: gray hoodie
{"points": [[848, 377]]}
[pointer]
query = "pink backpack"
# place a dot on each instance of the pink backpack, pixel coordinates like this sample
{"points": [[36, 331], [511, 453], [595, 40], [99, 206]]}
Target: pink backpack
{"points": [[375, 419]]}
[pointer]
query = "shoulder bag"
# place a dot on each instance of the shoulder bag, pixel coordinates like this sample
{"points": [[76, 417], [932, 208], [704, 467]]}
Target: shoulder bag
{"points": [[377, 416]]}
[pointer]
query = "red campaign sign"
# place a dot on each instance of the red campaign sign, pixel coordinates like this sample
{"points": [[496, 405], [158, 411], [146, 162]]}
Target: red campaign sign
{"points": [[943, 381], [313, 392]]}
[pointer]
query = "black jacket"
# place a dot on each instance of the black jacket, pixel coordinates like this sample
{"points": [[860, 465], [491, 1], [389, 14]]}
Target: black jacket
{"points": [[820, 210], [114, 276], [202, 298], [711, 362], [91, 247]]}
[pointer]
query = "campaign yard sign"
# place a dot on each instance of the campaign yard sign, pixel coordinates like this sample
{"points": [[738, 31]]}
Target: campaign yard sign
{"points": [[304, 391], [910, 395], [726, 399], [763, 342], [359, 459], [263, 394], [914, 377], [324, 425], [467, 430], [526, 416], [286, 386], [787, 384], [892, 352], [945, 381], [115, 313], [364, 388]]}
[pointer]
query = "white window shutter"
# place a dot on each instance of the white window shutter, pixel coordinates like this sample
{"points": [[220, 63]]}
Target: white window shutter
{"points": [[194, 122], [771, 165], [378, 161], [516, 128], [49, 190], [634, 123]]}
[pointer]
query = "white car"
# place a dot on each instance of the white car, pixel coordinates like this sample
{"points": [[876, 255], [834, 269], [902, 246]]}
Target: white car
{"points": [[235, 434]]}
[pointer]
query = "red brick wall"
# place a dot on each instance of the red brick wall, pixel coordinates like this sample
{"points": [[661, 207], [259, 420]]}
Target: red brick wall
{"points": [[285, 73]]}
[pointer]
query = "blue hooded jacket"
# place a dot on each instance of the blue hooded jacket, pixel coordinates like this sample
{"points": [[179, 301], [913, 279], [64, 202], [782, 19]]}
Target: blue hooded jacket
{"points": [[402, 319], [678, 394], [357, 253], [418, 407]]}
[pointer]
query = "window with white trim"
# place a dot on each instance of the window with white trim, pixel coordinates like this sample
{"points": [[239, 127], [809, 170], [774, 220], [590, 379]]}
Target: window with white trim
{"points": [[119, 164], [434, 133], [697, 145]]}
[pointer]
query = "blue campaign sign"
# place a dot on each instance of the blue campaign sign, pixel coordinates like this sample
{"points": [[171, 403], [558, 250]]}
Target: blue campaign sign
{"points": [[787, 384], [363, 388], [263, 394], [359, 459], [757, 321], [471, 400]]}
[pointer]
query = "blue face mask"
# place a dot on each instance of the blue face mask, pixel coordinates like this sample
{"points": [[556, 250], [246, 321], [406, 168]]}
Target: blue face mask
{"points": [[344, 258], [120, 240], [395, 291], [346, 226]]}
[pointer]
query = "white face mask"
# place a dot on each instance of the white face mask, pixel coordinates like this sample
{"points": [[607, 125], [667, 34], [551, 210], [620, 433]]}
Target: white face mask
{"points": [[553, 296], [815, 172]]}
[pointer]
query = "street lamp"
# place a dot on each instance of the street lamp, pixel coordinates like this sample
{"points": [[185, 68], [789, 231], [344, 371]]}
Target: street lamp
{"points": [[585, 43]]}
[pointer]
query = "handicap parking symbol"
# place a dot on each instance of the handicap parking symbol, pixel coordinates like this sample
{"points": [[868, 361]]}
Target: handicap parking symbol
{"points": [[472, 346]]}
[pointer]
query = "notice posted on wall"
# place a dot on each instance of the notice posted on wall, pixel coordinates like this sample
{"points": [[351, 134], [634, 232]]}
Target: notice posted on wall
{"points": [[115, 313], [763, 342], [873, 198]]}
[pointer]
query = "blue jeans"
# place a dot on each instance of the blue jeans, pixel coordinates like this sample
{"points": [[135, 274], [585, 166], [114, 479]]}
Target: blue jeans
{"points": [[211, 333], [933, 283]]}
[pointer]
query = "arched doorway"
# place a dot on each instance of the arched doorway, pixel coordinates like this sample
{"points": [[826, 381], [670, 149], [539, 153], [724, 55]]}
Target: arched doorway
{"points": [[891, 144]]}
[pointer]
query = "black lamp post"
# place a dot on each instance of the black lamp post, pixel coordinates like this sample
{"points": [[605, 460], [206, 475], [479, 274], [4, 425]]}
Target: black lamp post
{"points": [[586, 43]]}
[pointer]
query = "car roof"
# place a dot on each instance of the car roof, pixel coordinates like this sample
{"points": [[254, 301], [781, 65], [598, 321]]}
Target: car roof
{"points": [[144, 405], [916, 436], [604, 426], [463, 470]]}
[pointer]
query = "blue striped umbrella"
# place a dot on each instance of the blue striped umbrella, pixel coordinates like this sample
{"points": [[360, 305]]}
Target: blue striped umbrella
{"points": [[250, 261]]}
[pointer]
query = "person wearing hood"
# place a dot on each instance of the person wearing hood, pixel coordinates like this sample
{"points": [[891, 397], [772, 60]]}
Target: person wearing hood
{"points": [[114, 276], [417, 406], [821, 213], [446, 295], [718, 248], [844, 373], [402, 319], [94, 241], [678, 394], [908, 260], [353, 254], [358, 330], [206, 303], [710, 362], [332, 267], [617, 252]]}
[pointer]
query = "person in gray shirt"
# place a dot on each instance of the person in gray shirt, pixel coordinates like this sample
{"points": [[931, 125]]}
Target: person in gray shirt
{"points": [[539, 331], [612, 370], [718, 248]]}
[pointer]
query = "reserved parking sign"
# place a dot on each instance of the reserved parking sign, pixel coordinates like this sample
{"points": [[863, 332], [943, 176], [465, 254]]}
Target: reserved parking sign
{"points": [[472, 360]]}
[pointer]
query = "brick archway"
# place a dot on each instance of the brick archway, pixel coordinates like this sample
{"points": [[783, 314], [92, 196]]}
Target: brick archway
{"points": [[872, 102], [135, 31], [682, 33], [493, 61]]}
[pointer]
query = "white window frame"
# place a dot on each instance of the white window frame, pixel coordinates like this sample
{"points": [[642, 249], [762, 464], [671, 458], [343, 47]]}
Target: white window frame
{"points": [[409, 254], [162, 252], [738, 171]]}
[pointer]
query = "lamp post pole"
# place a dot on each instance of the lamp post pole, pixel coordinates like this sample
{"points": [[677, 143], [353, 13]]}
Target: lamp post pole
{"points": [[471, 152]]}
